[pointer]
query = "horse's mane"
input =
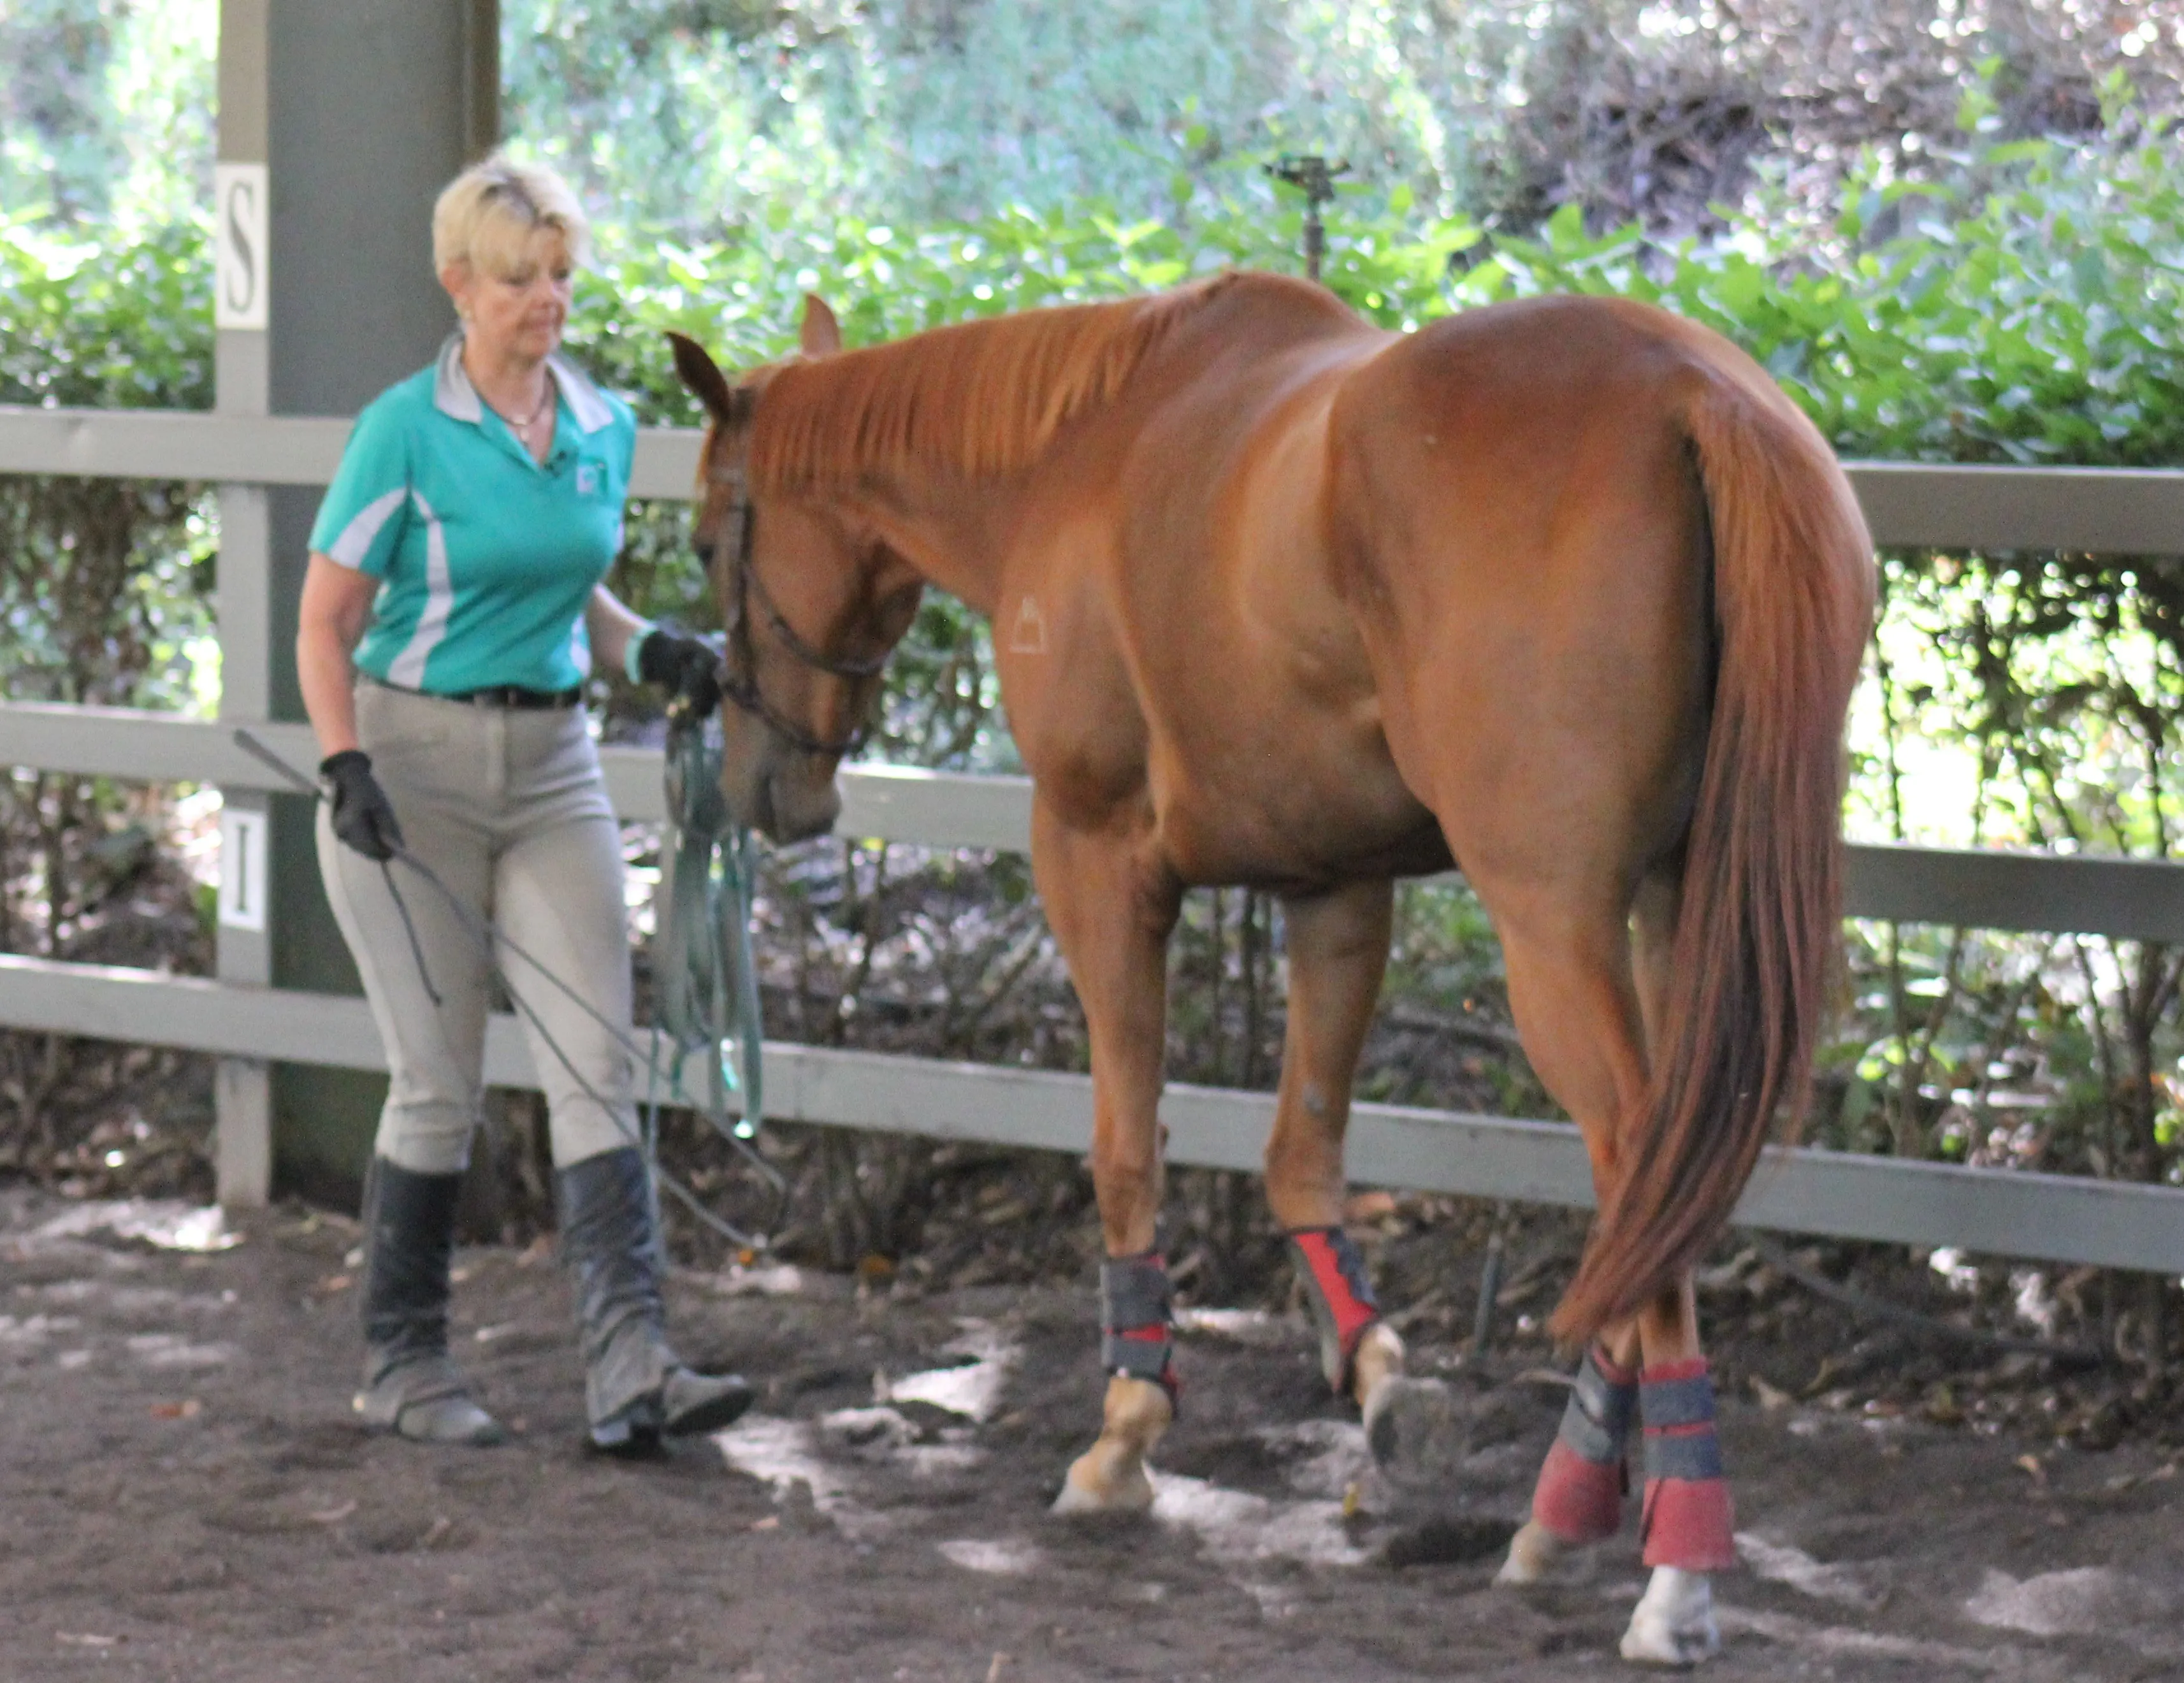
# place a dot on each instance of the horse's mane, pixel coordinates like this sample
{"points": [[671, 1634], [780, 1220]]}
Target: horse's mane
{"points": [[975, 398]]}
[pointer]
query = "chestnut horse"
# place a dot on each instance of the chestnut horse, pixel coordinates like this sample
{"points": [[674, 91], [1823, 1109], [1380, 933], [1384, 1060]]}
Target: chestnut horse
{"points": [[1563, 592]]}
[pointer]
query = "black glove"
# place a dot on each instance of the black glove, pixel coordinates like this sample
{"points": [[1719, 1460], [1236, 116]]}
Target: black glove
{"points": [[687, 666], [363, 816]]}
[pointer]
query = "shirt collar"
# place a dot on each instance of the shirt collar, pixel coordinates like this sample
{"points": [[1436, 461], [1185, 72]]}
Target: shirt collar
{"points": [[454, 395]]}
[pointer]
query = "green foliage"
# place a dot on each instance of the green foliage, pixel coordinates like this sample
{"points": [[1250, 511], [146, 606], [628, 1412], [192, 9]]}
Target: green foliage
{"points": [[105, 584], [62, 151], [697, 118], [122, 325], [2025, 307], [105, 597], [743, 297], [106, 110]]}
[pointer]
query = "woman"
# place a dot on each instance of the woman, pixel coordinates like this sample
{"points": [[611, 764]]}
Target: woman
{"points": [[451, 613]]}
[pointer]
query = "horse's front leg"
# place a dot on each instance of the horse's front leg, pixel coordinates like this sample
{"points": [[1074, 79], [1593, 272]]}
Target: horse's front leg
{"points": [[1111, 906], [1337, 944]]}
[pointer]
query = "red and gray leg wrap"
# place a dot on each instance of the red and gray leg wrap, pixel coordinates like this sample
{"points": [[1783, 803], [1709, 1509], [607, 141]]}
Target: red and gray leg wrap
{"points": [[1688, 1520], [1137, 1319], [1340, 1295], [1580, 1495]]}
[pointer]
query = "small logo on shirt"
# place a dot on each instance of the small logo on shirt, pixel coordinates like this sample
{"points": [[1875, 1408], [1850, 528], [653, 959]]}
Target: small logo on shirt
{"points": [[589, 479]]}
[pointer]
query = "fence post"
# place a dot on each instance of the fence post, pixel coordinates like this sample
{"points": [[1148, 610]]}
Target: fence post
{"points": [[242, 1089], [326, 298]]}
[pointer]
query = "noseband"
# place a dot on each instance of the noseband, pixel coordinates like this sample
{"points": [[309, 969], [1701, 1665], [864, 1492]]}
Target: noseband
{"points": [[738, 671]]}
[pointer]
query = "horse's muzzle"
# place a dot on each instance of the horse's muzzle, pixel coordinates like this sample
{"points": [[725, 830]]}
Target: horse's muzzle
{"points": [[785, 809]]}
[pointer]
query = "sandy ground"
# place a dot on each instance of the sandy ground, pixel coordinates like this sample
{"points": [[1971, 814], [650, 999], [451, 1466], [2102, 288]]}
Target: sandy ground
{"points": [[183, 1496]]}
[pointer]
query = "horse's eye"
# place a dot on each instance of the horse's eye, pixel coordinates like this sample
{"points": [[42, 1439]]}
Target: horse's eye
{"points": [[704, 546]]}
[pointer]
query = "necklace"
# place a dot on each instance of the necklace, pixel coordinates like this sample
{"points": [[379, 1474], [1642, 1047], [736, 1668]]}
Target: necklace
{"points": [[522, 428]]}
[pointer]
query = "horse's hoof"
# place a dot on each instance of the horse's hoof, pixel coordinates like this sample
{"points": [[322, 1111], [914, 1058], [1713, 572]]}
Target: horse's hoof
{"points": [[1673, 1622], [1415, 1431], [1092, 1490], [1379, 1357], [1532, 1552]]}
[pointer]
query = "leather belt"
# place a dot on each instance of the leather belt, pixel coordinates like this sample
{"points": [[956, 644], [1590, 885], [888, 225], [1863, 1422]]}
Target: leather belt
{"points": [[509, 695]]}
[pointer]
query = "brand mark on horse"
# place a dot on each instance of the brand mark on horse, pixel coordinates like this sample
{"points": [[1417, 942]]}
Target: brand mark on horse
{"points": [[1027, 636]]}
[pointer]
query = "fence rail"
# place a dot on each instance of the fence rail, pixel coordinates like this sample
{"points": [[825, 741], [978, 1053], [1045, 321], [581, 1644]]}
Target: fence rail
{"points": [[2054, 1218], [2066, 1219], [1985, 888], [262, 449], [2128, 511]]}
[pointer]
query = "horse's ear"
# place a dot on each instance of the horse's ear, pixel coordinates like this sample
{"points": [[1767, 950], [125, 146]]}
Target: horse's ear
{"points": [[705, 381], [821, 335]]}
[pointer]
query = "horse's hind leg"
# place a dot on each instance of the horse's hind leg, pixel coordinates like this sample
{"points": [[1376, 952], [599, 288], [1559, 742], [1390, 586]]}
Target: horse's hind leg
{"points": [[1337, 944], [1673, 1623], [1581, 1007], [1687, 1523], [1579, 1498], [1572, 992]]}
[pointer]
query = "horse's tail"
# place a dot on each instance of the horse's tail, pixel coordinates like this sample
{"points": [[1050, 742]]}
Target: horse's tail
{"points": [[1758, 936]]}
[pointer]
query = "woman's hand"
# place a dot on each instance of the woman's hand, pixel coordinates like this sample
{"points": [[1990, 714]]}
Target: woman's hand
{"points": [[687, 666], [363, 817]]}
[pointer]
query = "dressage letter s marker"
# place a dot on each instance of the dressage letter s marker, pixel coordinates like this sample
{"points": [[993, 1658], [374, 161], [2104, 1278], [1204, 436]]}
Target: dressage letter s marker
{"points": [[239, 283], [239, 273]]}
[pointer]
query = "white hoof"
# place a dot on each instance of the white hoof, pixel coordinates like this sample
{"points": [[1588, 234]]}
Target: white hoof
{"points": [[1532, 1552], [1417, 1433], [1673, 1622], [1097, 1485], [1379, 1358]]}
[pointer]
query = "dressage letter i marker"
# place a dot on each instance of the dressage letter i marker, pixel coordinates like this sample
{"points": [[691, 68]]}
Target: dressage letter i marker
{"points": [[242, 868]]}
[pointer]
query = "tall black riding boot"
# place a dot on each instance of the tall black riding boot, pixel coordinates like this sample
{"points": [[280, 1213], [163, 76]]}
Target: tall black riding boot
{"points": [[411, 1384], [634, 1388]]}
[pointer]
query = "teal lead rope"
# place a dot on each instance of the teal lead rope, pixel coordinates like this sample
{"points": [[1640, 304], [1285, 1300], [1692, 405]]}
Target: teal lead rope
{"points": [[704, 977]]}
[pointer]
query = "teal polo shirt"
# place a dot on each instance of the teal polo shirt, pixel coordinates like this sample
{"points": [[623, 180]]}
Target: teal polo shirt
{"points": [[486, 559]]}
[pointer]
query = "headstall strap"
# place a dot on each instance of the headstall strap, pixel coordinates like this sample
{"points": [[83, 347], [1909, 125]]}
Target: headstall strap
{"points": [[741, 687]]}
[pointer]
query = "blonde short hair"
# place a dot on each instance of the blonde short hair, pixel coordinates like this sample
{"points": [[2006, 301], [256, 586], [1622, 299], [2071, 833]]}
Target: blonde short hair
{"points": [[488, 215]]}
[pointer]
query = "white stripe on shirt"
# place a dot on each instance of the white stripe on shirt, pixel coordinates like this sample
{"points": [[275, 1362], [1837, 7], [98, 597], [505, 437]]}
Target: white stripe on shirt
{"points": [[358, 537], [407, 668]]}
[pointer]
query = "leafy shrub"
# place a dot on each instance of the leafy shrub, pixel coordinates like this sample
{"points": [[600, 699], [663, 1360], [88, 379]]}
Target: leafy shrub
{"points": [[105, 597]]}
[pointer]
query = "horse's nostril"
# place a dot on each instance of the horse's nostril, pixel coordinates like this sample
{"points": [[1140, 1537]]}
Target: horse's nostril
{"points": [[704, 547]]}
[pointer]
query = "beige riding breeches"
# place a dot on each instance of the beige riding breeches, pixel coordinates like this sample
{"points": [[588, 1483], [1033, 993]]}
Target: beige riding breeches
{"points": [[509, 809]]}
